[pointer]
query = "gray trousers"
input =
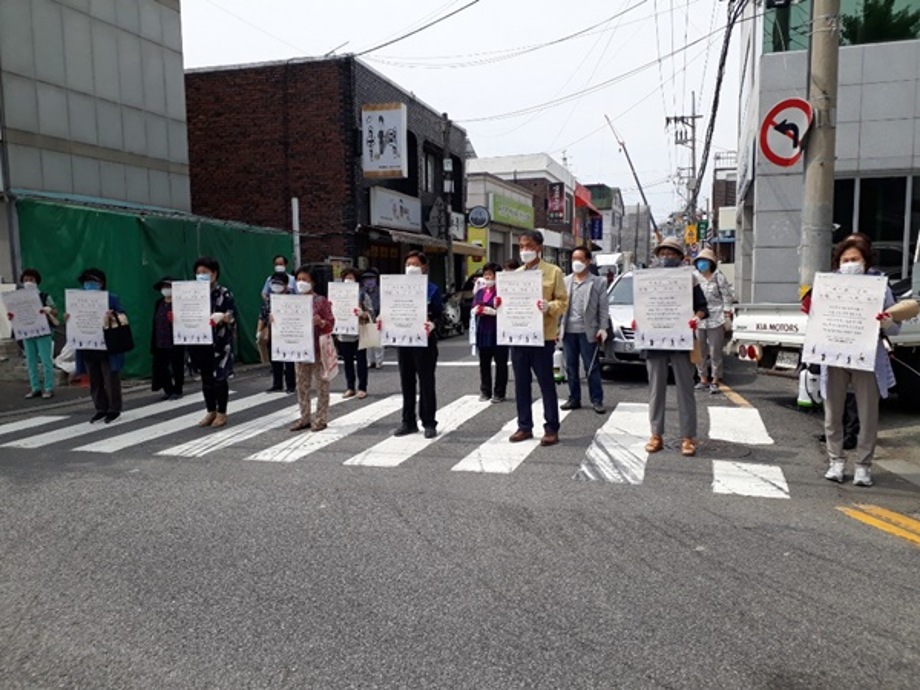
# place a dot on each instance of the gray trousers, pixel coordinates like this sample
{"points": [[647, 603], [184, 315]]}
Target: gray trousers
{"points": [[657, 366], [865, 388], [712, 341]]}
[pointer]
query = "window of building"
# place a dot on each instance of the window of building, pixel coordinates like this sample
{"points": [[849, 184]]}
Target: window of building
{"points": [[861, 22], [881, 208], [844, 197], [430, 178]]}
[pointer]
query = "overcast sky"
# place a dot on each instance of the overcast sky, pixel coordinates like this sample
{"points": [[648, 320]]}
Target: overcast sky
{"points": [[474, 67]]}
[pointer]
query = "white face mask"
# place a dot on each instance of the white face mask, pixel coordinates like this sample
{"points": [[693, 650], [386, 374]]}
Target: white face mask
{"points": [[277, 288], [579, 266], [528, 255], [203, 277], [349, 280], [303, 287], [279, 269], [166, 292], [413, 270], [488, 283], [853, 268], [30, 285]]}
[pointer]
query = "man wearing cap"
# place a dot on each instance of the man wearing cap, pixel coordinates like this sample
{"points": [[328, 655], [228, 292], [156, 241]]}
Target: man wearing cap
{"points": [[670, 254], [711, 333], [102, 368], [168, 358]]}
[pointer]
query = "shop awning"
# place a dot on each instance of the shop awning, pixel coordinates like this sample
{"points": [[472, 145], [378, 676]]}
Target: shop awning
{"points": [[583, 199], [436, 243]]}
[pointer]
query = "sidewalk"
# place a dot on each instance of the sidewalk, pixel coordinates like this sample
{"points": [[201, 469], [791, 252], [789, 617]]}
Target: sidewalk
{"points": [[898, 448]]}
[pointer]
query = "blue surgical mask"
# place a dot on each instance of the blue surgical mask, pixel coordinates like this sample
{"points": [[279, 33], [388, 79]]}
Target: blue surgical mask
{"points": [[92, 285], [703, 265], [203, 277], [369, 284], [669, 262]]}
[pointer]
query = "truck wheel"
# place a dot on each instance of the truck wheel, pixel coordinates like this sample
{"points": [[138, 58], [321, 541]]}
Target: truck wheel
{"points": [[908, 381], [768, 358]]}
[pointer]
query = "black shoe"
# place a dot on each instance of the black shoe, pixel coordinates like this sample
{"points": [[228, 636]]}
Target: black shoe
{"points": [[849, 442], [405, 430], [112, 416], [430, 432], [165, 397], [290, 390], [570, 404], [274, 389], [498, 399], [599, 408], [176, 396], [96, 417]]}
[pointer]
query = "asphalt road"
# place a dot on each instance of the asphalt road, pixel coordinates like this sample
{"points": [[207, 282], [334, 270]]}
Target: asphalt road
{"points": [[122, 567]]}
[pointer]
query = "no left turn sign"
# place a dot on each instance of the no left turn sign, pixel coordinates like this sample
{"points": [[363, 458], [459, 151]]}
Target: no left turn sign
{"points": [[783, 131]]}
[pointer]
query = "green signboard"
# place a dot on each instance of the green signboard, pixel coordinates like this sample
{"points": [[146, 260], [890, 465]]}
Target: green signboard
{"points": [[510, 212]]}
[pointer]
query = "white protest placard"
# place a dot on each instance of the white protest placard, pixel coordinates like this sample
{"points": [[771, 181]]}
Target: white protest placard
{"points": [[25, 306], [86, 315], [520, 321], [663, 307], [842, 330], [292, 328], [404, 310], [191, 310], [344, 300]]}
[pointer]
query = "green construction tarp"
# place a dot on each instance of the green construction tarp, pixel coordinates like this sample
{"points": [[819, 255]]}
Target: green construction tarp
{"points": [[136, 249]]}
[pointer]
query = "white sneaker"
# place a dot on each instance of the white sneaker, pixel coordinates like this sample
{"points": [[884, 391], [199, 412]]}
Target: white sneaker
{"points": [[863, 476], [835, 471]]}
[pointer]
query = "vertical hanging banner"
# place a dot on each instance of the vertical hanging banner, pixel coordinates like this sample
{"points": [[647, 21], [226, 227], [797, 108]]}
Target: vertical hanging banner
{"points": [[384, 152], [597, 227], [555, 203]]}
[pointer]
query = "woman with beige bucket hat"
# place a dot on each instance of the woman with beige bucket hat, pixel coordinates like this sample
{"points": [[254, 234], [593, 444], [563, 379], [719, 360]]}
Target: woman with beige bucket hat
{"points": [[711, 331]]}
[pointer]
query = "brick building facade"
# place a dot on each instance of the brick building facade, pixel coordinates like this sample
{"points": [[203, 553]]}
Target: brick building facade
{"points": [[260, 135]]}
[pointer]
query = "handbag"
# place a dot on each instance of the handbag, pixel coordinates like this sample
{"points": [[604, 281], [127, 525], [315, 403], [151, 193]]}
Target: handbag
{"points": [[368, 336], [328, 358], [118, 336]]}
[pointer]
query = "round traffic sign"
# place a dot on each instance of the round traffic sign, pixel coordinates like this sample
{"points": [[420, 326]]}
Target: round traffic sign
{"points": [[479, 216], [783, 130]]}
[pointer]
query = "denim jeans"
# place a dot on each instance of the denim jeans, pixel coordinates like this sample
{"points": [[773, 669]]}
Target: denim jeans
{"points": [[578, 346]]}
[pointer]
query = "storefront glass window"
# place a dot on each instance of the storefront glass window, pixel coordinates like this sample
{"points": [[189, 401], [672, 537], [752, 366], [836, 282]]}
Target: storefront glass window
{"points": [[843, 208], [881, 217], [861, 22]]}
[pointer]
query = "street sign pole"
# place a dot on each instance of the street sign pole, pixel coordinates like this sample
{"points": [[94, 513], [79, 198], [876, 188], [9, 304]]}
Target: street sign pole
{"points": [[818, 206]]}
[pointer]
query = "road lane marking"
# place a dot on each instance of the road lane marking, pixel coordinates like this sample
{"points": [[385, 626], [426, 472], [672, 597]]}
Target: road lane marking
{"points": [[231, 435], [306, 443], [900, 526], [67, 433], [393, 451], [498, 455], [748, 479], [30, 423], [734, 396], [170, 426], [617, 454], [738, 425]]}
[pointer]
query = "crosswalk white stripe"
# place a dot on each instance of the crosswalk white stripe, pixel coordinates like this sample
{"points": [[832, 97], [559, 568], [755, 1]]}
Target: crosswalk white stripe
{"points": [[738, 425], [199, 447], [617, 453], [395, 450], [170, 426], [305, 444], [23, 424], [500, 456], [748, 479], [67, 433]]}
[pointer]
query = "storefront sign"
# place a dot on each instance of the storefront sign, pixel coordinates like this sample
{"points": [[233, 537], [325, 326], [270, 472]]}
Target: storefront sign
{"points": [[510, 212], [457, 226], [597, 227], [394, 210], [479, 217], [555, 208], [384, 153]]}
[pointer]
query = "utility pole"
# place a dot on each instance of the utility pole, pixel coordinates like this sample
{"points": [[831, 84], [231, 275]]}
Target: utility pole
{"points": [[685, 135], [820, 150], [636, 238], [448, 188], [622, 145]]}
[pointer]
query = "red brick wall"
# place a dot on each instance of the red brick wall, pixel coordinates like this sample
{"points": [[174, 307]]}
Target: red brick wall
{"points": [[260, 135]]}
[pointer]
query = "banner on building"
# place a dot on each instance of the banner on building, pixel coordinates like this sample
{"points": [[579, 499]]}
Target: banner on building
{"points": [[384, 132], [555, 203], [597, 227], [510, 212], [394, 210]]}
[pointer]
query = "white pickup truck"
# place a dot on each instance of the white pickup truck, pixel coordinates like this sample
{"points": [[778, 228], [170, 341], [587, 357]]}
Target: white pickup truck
{"points": [[773, 334]]}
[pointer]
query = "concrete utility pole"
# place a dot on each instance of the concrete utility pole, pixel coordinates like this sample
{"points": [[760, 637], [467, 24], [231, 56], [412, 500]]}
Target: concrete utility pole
{"points": [[683, 137], [446, 192], [820, 149]]}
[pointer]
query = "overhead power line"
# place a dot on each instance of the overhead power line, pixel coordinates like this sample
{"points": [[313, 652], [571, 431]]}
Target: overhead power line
{"points": [[418, 30]]}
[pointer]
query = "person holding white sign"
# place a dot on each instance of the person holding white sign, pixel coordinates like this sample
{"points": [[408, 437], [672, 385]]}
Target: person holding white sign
{"points": [[670, 254], [282, 371], [168, 370], [537, 360], [310, 374], [351, 354], [103, 369], [39, 348], [215, 362], [854, 256]]}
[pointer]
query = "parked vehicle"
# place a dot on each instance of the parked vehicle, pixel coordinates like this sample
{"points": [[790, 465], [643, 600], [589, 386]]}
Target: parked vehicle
{"points": [[621, 345]]}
